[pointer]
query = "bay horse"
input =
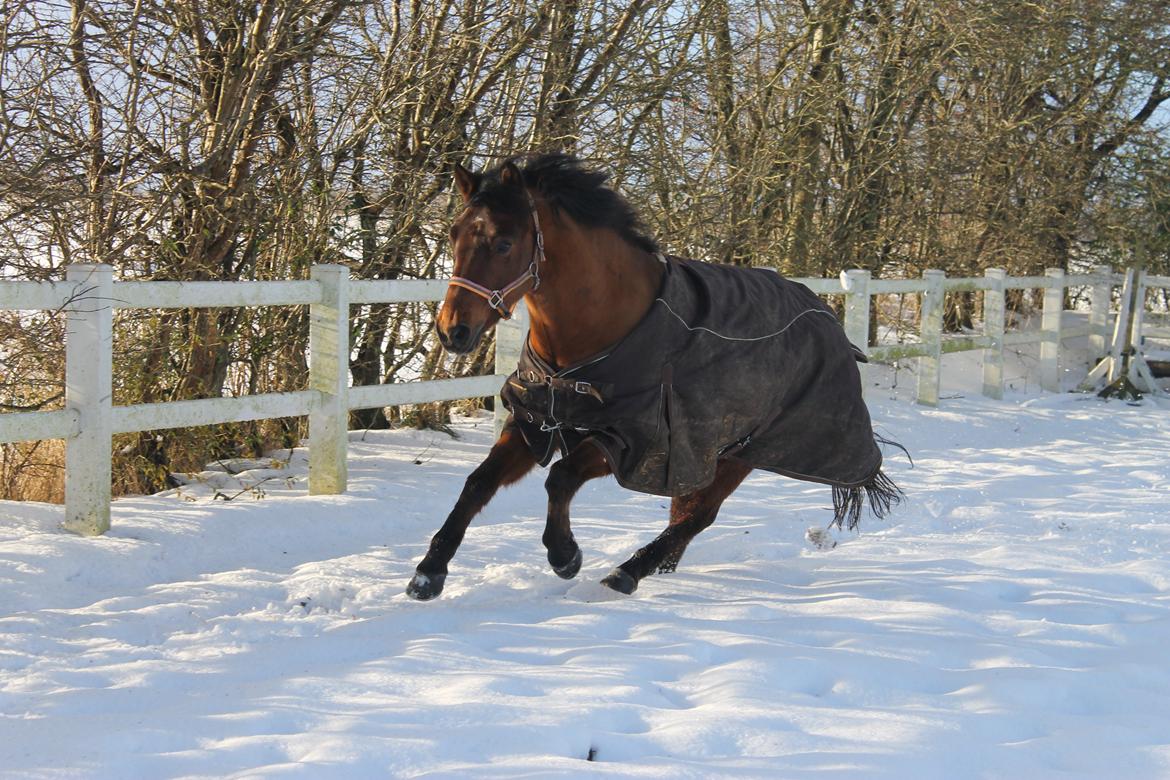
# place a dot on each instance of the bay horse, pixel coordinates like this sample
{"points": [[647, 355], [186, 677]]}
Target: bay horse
{"points": [[669, 417]]}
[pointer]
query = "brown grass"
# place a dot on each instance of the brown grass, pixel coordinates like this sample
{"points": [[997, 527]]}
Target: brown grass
{"points": [[33, 471]]}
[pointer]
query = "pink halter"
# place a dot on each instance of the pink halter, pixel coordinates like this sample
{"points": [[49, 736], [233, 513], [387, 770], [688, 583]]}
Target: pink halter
{"points": [[497, 299]]}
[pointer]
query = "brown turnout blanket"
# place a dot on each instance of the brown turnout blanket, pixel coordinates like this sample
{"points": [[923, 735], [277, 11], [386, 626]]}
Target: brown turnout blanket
{"points": [[727, 361]]}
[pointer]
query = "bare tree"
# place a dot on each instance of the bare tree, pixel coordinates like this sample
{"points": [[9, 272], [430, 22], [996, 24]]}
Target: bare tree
{"points": [[250, 139]]}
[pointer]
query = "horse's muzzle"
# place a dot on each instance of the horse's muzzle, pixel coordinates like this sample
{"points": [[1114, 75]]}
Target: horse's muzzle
{"points": [[459, 338]]}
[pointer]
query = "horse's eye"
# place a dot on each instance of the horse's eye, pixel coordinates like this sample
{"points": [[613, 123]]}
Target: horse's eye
{"points": [[503, 246]]}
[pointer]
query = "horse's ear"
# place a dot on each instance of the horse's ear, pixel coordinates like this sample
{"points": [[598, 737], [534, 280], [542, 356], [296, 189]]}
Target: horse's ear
{"points": [[510, 175], [466, 181]]}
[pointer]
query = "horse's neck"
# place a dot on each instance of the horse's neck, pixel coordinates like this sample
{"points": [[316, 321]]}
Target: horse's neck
{"points": [[595, 288]]}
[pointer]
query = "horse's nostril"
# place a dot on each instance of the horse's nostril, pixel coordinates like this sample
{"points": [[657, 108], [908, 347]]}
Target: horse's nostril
{"points": [[460, 335], [457, 338]]}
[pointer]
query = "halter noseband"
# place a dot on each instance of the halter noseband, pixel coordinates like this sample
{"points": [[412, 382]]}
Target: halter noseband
{"points": [[497, 299]]}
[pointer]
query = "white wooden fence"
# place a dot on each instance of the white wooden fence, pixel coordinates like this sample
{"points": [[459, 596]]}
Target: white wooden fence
{"points": [[89, 420]]}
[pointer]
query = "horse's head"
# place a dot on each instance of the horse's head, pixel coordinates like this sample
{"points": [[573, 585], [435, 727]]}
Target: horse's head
{"points": [[497, 249]]}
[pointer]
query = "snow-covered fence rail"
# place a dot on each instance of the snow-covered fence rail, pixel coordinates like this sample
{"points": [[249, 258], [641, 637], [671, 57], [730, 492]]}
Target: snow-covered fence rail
{"points": [[932, 344], [89, 295]]}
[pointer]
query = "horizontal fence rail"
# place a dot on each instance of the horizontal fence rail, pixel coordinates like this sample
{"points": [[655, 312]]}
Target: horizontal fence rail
{"points": [[89, 295]]}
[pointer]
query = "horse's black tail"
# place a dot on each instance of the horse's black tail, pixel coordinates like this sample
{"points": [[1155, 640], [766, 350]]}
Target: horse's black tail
{"points": [[880, 491]]}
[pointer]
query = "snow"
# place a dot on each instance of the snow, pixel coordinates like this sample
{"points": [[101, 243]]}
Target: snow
{"points": [[1011, 619]]}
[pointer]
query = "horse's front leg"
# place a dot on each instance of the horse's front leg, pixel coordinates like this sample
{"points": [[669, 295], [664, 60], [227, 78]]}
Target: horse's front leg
{"points": [[565, 478], [689, 515], [508, 461]]}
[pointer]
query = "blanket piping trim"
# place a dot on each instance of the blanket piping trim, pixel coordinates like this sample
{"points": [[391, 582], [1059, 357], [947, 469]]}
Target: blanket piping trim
{"points": [[739, 338]]}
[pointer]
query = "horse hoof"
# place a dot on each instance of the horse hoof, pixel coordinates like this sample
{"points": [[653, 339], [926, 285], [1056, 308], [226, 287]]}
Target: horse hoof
{"points": [[621, 581], [570, 569], [424, 587]]}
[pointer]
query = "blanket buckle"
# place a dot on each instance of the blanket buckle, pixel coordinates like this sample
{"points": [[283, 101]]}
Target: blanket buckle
{"points": [[581, 387]]}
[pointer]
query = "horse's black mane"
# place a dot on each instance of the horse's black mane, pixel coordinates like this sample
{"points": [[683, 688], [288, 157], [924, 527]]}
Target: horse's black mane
{"points": [[570, 187]]}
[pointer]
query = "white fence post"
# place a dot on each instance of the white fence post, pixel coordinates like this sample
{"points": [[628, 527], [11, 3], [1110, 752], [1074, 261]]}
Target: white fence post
{"points": [[857, 314], [1102, 298], [1050, 327], [89, 344], [510, 335], [1121, 332], [993, 327], [1139, 370], [931, 318], [329, 376]]}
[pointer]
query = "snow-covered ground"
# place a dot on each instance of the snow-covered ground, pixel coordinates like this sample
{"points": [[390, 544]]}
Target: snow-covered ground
{"points": [[1010, 620]]}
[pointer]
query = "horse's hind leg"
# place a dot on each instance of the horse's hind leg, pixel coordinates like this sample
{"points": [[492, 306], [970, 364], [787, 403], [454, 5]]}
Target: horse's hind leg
{"points": [[565, 478], [508, 461], [689, 515]]}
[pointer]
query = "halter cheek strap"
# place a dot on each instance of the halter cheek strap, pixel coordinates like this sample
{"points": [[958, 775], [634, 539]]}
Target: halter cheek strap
{"points": [[498, 299]]}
